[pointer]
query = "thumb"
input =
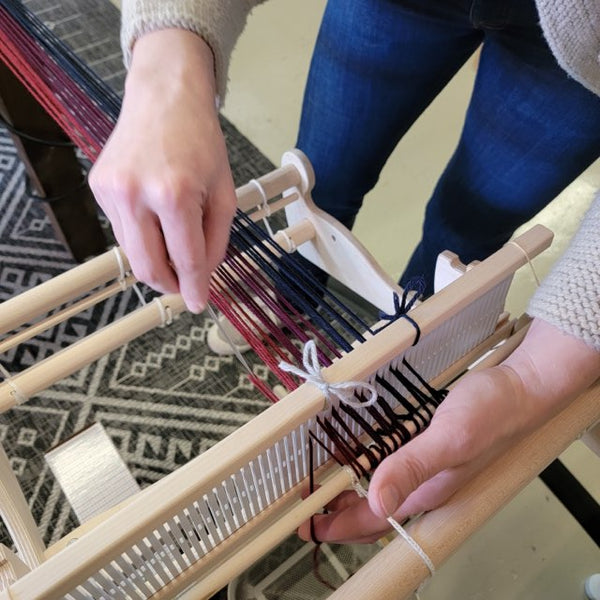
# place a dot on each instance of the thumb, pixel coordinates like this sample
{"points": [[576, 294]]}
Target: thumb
{"points": [[431, 452]]}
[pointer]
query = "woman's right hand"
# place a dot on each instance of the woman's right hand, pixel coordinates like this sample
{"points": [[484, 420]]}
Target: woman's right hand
{"points": [[163, 178]]}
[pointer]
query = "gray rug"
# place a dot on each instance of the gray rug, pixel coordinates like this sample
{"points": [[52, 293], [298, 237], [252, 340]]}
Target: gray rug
{"points": [[163, 398]]}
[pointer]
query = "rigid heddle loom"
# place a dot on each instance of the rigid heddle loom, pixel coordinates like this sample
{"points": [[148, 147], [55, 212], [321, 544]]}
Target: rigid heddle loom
{"points": [[197, 528]]}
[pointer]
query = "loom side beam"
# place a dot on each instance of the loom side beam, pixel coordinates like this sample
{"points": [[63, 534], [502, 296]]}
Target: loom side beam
{"points": [[17, 516], [156, 504]]}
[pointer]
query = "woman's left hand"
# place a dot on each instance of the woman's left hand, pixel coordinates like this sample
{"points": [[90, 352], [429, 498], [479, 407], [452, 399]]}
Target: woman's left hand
{"points": [[487, 412]]}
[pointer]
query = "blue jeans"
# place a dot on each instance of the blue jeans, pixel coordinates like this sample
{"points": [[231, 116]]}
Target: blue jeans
{"points": [[529, 129]]}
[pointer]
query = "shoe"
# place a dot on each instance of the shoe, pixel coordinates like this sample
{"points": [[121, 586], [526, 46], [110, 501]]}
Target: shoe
{"points": [[592, 587], [224, 339]]}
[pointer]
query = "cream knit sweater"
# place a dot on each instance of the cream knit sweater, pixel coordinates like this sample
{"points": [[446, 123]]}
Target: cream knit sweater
{"points": [[570, 296]]}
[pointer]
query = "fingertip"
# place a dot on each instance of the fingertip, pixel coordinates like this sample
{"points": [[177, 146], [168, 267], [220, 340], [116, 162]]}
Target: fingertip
{"points": [[194, 301], [384, 501], [194, 289], [195, 306], [303, 532]]}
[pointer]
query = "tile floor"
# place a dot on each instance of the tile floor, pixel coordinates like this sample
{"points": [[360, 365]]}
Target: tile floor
{"points": [[532, 549]]}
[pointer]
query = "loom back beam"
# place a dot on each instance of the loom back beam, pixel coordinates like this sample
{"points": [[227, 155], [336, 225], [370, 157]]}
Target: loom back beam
{"points": [[177, 495]]}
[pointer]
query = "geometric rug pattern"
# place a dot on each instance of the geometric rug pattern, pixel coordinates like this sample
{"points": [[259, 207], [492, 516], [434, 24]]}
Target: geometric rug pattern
{"points": [[163, 398]]}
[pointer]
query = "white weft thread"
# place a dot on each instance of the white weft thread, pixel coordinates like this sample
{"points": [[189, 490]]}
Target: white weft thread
{"points": [[122, 278], [166, 315], [343, 390], [264, 205], [232, 344], [15, 392], [362, 492], [290, 245], [524, 252], [122, 281]]}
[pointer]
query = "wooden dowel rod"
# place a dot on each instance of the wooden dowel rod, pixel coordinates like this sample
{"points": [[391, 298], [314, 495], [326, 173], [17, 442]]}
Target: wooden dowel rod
{"points": [[60, 289], [273, 184], [17, 517], [261, 213], [442, 531], [71, 359], [63, 315]]}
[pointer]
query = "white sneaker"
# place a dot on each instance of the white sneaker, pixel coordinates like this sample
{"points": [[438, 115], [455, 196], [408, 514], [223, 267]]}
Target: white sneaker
{"points": [[224, 339], [592, 587]]}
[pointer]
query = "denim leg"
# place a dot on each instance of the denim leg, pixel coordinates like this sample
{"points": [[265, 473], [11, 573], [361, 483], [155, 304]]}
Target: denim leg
{"points": [[529, 131], [377, 65]]}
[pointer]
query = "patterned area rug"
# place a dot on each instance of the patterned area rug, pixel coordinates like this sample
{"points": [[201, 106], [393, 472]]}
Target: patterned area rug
{"points": [[163, 398]]}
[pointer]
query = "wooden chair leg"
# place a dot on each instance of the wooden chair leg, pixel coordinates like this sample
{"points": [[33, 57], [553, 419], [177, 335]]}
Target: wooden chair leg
{"points": [[53, 170]]}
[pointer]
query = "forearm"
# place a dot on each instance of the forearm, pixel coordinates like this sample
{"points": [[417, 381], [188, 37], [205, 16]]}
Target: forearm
{"points": [[169, 61], [218, 22]]}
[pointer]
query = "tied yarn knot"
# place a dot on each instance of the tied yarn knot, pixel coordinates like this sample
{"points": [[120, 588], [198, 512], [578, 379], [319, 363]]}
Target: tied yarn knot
{"points": [[343, 390], [404, 305]]}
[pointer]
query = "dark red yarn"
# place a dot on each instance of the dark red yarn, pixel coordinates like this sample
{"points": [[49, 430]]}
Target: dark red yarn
{"points": [[77, 114]]}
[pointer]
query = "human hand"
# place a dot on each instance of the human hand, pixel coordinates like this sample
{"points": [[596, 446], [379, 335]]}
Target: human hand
{"points": [[485, 413], [163, 178]]}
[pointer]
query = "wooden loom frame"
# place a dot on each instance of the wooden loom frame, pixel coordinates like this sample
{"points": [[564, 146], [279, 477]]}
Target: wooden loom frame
{"points": [[54, 571]]}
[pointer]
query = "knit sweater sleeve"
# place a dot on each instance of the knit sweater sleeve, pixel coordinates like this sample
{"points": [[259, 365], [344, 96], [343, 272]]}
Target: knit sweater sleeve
{"points": [[571, 28], [218, 22], [569, 297]]}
